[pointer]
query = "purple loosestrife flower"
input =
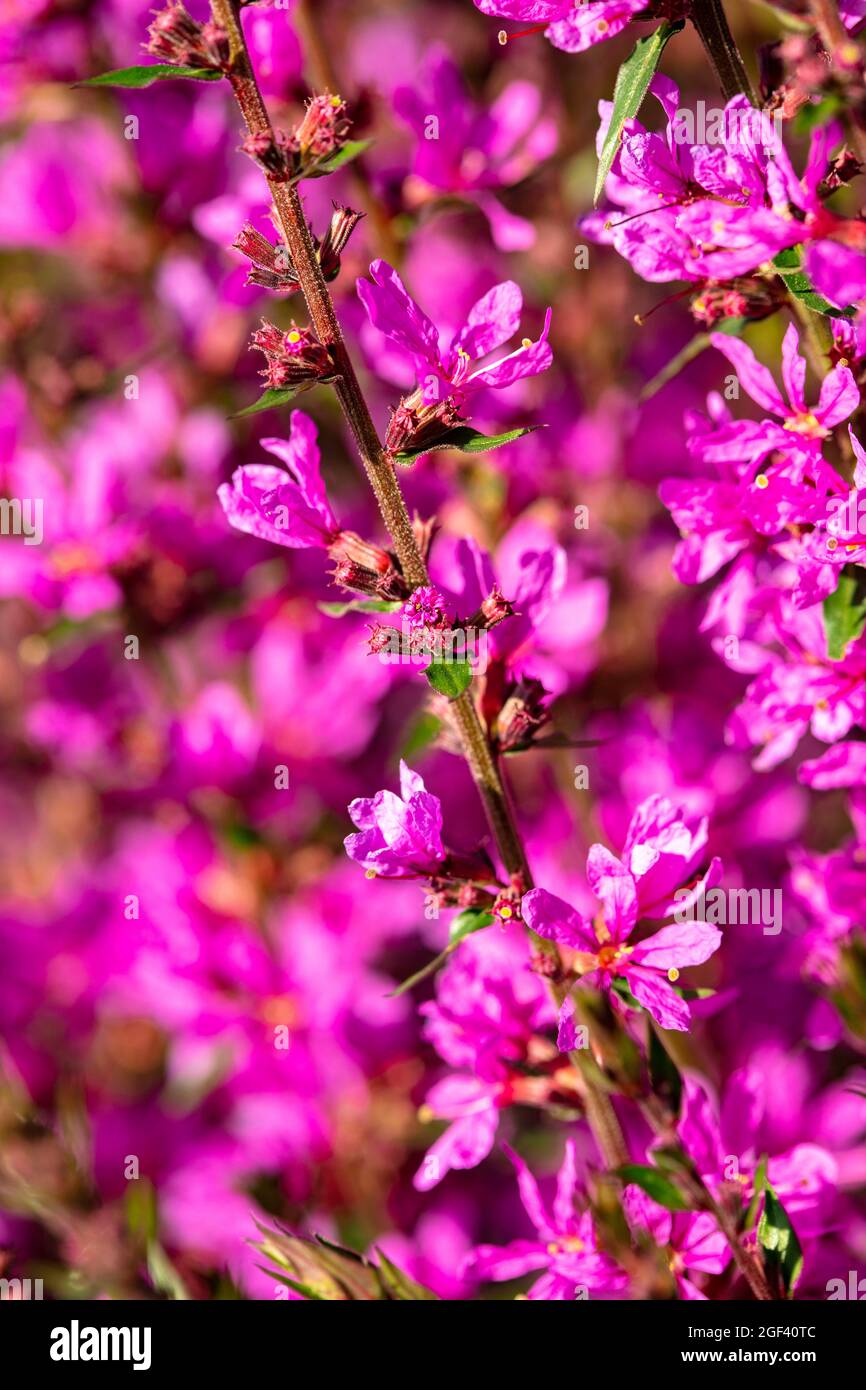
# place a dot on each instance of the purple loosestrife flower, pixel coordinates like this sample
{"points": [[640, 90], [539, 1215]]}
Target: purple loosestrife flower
{"points": [[660, 853], [802, 429], [797, 689], [398, 836], [571, 24], [475, 149], [565, 1246], [447, 381], [288, 508], [695, 211], [695, 1245]]}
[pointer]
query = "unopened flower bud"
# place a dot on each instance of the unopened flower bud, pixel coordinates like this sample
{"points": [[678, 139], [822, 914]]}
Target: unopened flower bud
{"points": [[495, 609], [272, 267], [294, 357], [522, 715], [323, 130], [415, 423], [268, 149], [747, 297], [329, 249], [175, 37]]}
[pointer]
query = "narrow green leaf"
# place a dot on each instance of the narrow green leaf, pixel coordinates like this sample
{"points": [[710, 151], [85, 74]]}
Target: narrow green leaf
{"points": [[655, 1185], [270, 399], [783, 1255], [146, 75], [471, 919], [449, 678], [759, 1183], [397, 1285], [844, 613], [350, 151], [467, 441], [358, 605], [632, 82], [789, 267]]}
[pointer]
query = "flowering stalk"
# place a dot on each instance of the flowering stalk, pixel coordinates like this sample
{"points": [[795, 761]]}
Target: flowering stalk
{"points": [[377, 464], [380, 472]]}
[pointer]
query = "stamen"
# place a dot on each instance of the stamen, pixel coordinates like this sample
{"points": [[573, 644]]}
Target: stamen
{"points": [[640, 319], [521, 33]]}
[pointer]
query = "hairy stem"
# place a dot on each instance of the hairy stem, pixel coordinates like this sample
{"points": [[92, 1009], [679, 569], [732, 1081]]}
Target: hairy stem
{"points": [[708, 17]]}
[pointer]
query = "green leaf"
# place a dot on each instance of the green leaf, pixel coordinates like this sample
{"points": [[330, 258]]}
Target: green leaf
{"points": [[655, 1184], [397, 1285], [844, 614], [466, 441], [349, 151], [449, 678], [819, 113], [146, 75], [632, 82], [358, 605], [270, 399], [783, 1255], [470, 920], [789, 267]]}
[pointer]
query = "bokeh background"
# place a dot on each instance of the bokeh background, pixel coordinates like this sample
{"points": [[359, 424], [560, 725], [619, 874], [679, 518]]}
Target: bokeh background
{"points": [[165, 904]]}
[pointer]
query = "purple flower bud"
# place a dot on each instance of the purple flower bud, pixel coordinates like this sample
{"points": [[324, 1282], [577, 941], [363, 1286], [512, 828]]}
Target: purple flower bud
{"points": [[268, 149], [323, 130], [293, 357], [175, 37]]}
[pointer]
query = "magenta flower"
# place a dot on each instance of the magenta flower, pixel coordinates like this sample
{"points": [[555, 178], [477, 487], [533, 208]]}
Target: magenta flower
{"points": [[802, 428], [476, 149], [565, 1246], [288, 508], [571, 27], [398, 836], [695, 1245], [838, 272], [694, 211], [446, 379], [797, 688], [660, 853]]}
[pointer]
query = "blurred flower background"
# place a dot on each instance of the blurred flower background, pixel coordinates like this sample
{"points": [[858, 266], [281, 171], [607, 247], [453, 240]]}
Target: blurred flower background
{"points": [[199, 1025]]}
